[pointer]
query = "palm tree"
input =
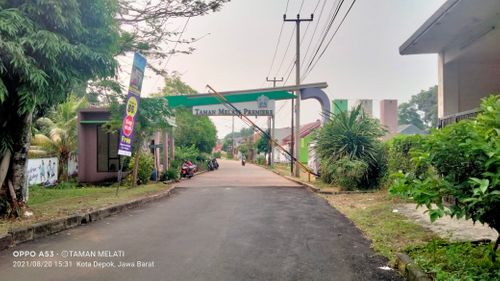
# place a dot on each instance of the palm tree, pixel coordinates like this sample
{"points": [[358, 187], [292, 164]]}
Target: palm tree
{"points": [[57, 133]]}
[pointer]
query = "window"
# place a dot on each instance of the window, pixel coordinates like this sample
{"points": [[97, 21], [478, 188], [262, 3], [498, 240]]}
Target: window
{"points": [[108, 159]]}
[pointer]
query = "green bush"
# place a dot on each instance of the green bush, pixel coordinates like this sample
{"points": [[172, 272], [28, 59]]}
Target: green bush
{"points": [[399, 152], [146, 166], [171, 174], [183, 153], [445, 261], [350, 174], [465, 164], [346, 140], [217, 155], [261, 160]]}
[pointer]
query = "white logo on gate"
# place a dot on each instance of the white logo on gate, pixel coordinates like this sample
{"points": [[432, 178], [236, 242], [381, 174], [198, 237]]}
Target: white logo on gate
{"points": [[262, 101]]}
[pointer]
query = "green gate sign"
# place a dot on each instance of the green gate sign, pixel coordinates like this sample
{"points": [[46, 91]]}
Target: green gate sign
{"points": [[208, 99]]}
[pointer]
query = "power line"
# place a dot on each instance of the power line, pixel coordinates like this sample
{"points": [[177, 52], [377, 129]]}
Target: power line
{"points": [[331, 39], [278, 42], [315, 29], [289, 42], [325, 33]]}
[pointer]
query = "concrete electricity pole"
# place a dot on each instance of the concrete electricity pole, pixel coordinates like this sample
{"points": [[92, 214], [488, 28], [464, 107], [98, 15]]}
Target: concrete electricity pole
{"points": [[297, 21], [270, 122]]}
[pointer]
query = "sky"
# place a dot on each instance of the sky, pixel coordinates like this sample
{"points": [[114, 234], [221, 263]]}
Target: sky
{"points": [[237, 44]]}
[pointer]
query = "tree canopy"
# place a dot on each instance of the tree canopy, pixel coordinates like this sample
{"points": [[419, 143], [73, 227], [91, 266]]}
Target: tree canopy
{"points": [[197, 131], [46, 48], [421, 110]]}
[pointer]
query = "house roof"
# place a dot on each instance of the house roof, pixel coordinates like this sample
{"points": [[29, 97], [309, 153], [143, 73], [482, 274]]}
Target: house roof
{"points": [[305, 130], [456, 24], [410, 129]]}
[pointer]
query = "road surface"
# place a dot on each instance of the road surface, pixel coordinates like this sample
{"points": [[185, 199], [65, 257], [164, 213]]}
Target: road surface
{"points": [[237, 223]]}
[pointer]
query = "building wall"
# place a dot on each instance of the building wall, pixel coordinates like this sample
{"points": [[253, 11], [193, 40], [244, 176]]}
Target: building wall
{"points": [[464, 83], [304, 149], [389, 115], [367, 106], [87, 146], [339, 105]]}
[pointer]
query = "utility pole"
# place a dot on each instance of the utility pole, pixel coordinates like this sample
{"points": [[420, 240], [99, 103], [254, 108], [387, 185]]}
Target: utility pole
{"points": [[274, 80], [270, 121], [296, 136], [232, 139]]}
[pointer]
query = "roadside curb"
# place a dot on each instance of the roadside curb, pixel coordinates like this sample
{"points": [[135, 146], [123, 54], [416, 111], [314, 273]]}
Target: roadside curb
{"points": [[315, 189], [46, 228], [410, 270], [308, 186]]}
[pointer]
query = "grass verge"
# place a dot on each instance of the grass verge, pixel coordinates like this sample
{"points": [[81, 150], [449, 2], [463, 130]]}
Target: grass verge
{"points": [[60, 201], [392, 232], [372, 213]]}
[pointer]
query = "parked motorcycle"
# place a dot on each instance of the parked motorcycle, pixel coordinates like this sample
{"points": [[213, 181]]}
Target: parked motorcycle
{"points": [[188, 169], [210, 165], [215, 163]]}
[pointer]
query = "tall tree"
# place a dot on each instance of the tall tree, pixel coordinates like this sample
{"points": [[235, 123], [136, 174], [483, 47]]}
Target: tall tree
{"points": [[409, 115], [46, 47], [421, 110], [191, 130]]}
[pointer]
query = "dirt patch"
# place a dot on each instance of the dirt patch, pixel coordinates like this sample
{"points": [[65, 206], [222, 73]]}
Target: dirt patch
{"points": [[446, 227]]}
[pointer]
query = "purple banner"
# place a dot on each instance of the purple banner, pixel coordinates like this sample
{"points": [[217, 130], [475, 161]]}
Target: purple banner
{"points": [[132, 105]]}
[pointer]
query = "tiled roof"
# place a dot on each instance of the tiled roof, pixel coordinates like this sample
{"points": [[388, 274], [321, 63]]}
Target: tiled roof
{"points": [[305, 130]]}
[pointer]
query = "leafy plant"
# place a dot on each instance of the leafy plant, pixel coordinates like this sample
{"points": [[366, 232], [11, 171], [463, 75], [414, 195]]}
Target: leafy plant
{"points": [[349, 174], [146, 166], [351, 136], [465, 164], [58, 132], [170, 174], [217, 155], [261, 160], [445, 261], [399, 155]]}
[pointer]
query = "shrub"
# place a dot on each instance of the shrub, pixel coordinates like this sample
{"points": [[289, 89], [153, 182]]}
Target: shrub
{"points": [[261, 160], [350, 174], [217, 155], [183, 153], [399, 155], [170, 174], [466, 159], [146, 166], [347, 139]]}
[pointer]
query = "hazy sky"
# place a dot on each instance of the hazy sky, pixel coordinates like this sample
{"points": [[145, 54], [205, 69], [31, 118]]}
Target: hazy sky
{"points": [[363, 61]]}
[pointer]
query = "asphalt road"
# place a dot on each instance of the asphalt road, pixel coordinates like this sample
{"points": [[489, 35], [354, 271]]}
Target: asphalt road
{"points": [[238, 223]]}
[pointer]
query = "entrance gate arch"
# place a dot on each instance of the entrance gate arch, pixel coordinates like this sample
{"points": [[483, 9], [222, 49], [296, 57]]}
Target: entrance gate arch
{"points": [[307, 91]]}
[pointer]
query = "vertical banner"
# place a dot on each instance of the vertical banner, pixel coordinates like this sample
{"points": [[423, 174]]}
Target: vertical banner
{"points": [[131, 105]]}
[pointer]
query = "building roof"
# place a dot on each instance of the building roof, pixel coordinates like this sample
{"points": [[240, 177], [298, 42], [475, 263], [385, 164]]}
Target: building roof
{"points": [[456, 24], [305, 130], [410, 129], [281, 133]]}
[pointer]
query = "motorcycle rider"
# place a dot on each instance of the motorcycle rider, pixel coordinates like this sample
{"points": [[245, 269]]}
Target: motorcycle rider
{"points": [[243, 158]]}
